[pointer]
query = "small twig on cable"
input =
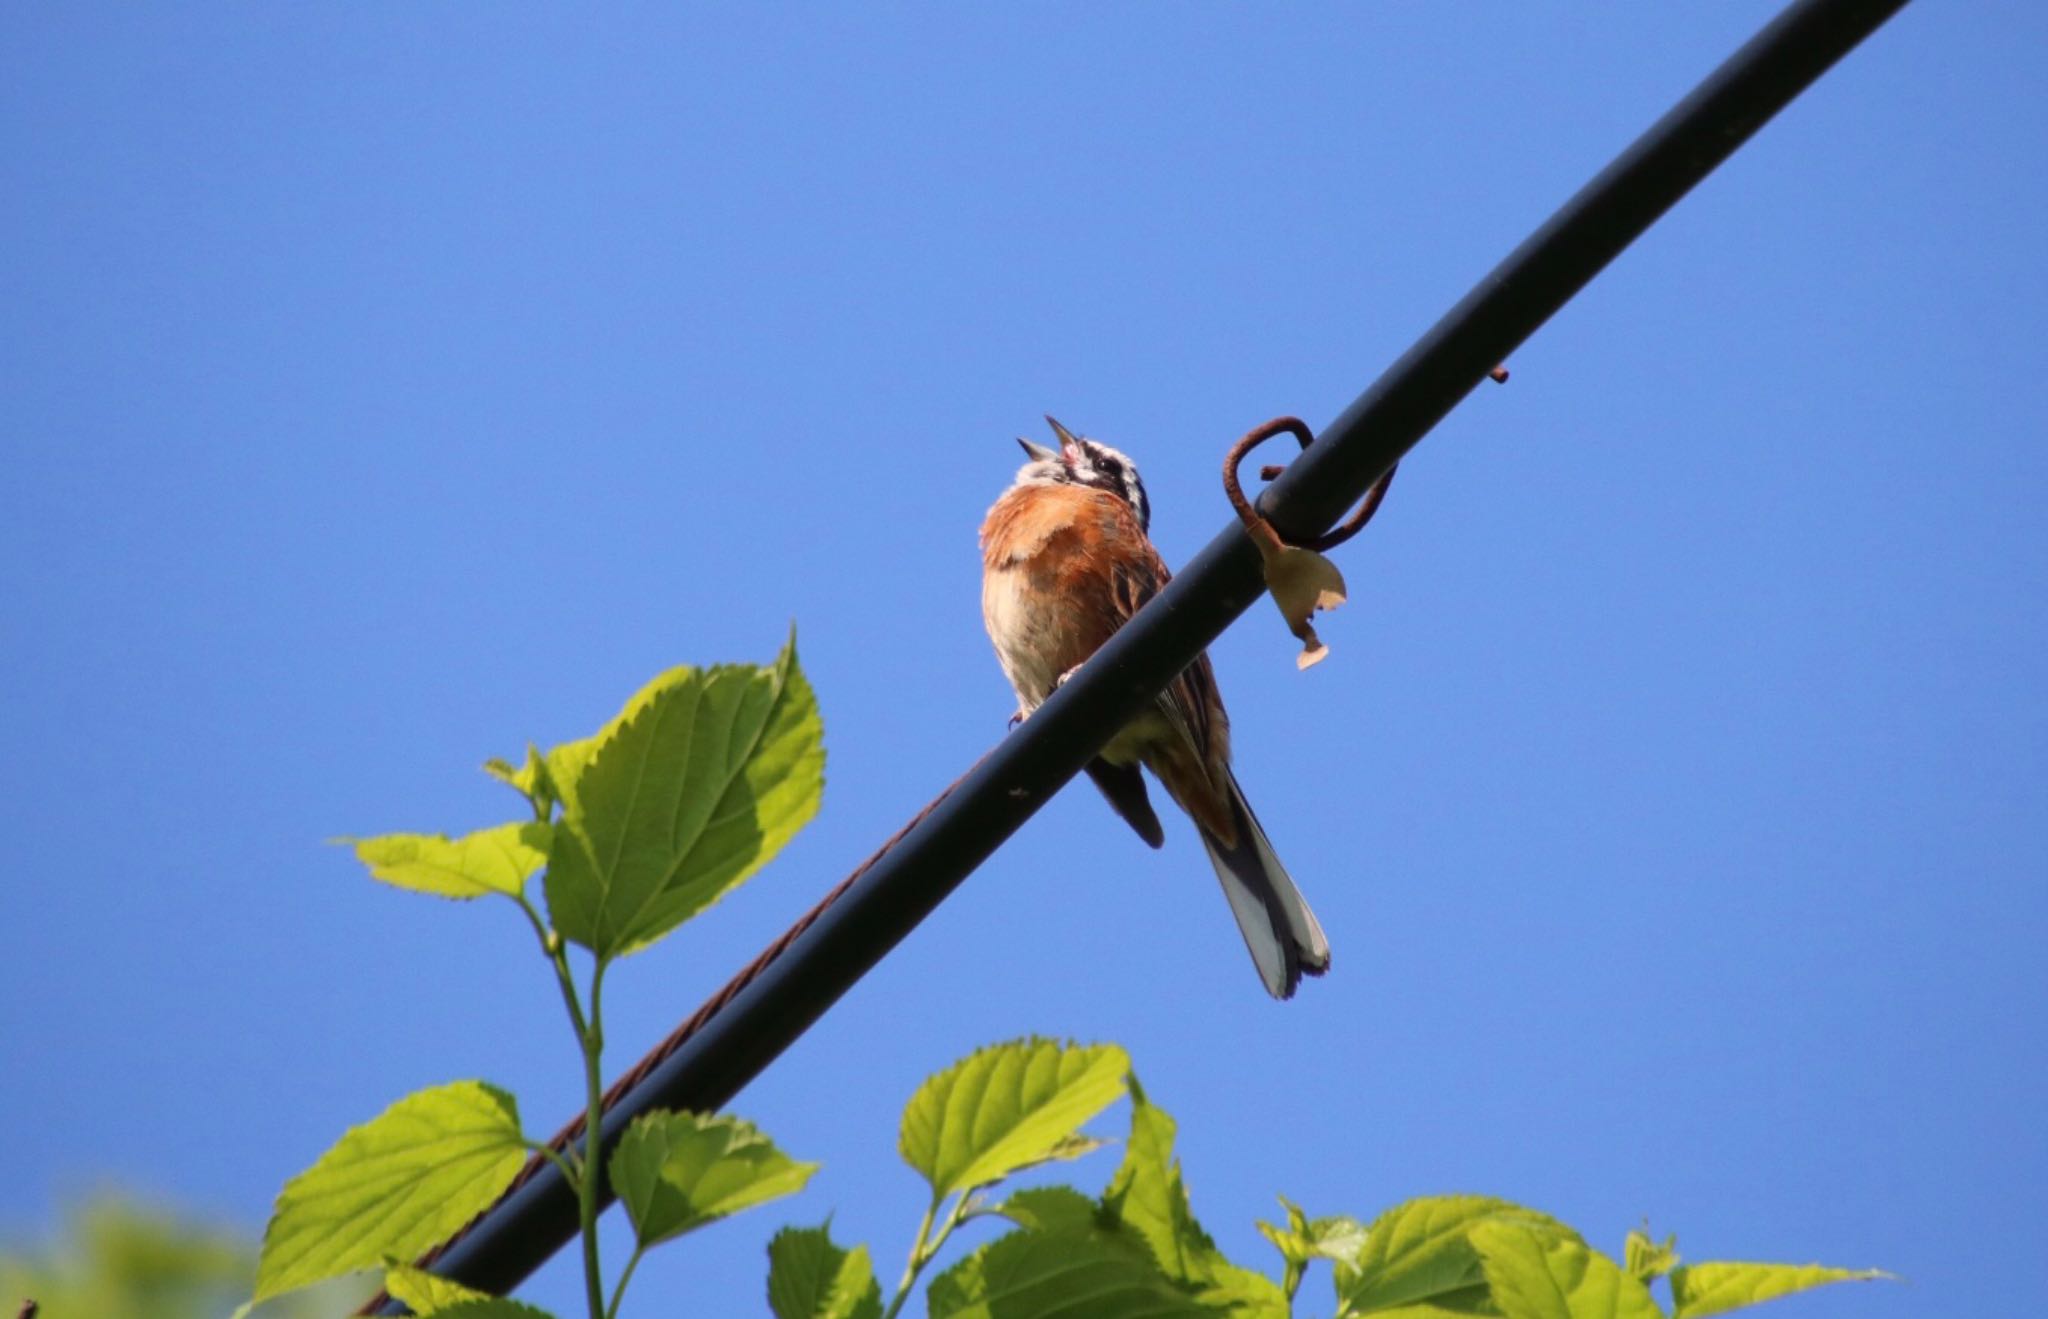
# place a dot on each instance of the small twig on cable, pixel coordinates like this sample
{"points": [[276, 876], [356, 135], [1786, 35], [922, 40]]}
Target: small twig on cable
{"points": [[1499, 375]]}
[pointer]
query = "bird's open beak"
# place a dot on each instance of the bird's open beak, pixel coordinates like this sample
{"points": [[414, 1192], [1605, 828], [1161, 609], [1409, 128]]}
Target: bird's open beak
{"points": [[1070, 444], [1039, 453]]}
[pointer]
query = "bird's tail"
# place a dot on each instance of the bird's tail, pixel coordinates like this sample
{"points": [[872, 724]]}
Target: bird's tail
{"points": [[1285, 939]]}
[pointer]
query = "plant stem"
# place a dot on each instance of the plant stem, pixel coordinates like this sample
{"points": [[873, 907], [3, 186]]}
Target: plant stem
{"points": [[619, 1292], [923, 1251], [582, 1173], [915, 1264], [562, 1164], [593, 1118]]}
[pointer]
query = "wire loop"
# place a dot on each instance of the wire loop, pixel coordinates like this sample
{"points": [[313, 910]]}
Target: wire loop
{"points": [[1261, 529]]}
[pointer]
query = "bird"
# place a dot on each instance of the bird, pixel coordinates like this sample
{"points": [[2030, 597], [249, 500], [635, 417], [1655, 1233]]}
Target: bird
{"points": [[1067, 559]]}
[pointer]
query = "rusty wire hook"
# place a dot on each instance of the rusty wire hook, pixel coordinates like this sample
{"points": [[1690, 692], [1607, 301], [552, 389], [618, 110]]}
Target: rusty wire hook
{"points": [[1261, 529]]}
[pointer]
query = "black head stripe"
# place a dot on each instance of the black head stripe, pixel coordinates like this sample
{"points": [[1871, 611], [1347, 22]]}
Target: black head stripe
{"points": [[1106, 469], [1134, 494]]}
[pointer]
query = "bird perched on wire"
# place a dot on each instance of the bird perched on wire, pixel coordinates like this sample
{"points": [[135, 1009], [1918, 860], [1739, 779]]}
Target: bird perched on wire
{"points": [[1065, 562]]}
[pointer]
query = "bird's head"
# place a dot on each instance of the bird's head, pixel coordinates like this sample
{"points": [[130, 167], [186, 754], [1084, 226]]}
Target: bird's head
{"points": [[1091, 463]]}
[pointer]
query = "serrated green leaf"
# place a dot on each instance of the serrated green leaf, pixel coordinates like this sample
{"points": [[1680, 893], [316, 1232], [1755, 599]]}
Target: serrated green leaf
{"points": [[1336, 1237], [675, 1172], [1331, 1237], [811, 1278], [1719, 1286], [1149, 1197], [531, 780], [425, 1293], [1645, 1259], [700, 780], [496, 860], [492, 1307], [1420, 1253], [1052, 1209], [1474, 1302], [1536, 1275], [393, 1186], [561, 768], [1039, 1275], [1006, 1107]]}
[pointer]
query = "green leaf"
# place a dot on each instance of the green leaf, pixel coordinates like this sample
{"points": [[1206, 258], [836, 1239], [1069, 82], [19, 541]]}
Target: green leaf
{"points": [[1536, 1275], [675, 1172], [1722, 1285], [810, 1278], [494, 860], [1006, 1107], [1337, 1237], [1148, 1196], [393, 1186], [1645, 1259], [1052, 1209], [492, 1307], [531, 780], [1038, 1275], [564, 764], [702, 777], [423, 1292], [1474, 1302], [1420, 1252]]}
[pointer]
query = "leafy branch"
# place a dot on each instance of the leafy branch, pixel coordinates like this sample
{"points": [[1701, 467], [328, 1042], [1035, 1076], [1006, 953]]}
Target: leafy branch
{"points": [[697, 782], [1136, 1247]]}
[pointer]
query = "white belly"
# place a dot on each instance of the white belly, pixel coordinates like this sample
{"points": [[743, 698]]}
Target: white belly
{"points": [[1026, 629]]}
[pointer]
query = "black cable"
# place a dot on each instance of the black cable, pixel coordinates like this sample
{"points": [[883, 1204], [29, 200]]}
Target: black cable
{"points": [[906, 882]]}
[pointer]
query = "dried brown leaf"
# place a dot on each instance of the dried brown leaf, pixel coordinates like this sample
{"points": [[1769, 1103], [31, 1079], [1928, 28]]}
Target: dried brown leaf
{"points": [[1302, 581]]}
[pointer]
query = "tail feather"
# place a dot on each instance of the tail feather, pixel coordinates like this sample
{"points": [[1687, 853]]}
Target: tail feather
{"points": [[1285, 939]]}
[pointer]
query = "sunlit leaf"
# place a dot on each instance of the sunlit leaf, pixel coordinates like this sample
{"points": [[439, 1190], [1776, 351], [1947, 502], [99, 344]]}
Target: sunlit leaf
{"points": [[1536, 1275], [811, 1278], [1039, 1275], [1051, 1209], [1337, 1237], [675, 1172], [1718, 1286], [496, 860], [1420, 1252], [1006, 1107], [425, 1293], [393, 1186], [701, 778], [531, 780], [1148, 1196], [492, 1307], [1645, 1259]]}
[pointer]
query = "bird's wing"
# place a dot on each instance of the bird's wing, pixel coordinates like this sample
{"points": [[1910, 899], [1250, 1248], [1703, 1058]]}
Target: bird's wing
{"points": [[1124, 787], [1190, 702]]}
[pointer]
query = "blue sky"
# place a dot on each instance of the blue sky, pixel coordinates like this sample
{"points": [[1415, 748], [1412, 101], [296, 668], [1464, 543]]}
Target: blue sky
{"points": [[390, 385]]}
